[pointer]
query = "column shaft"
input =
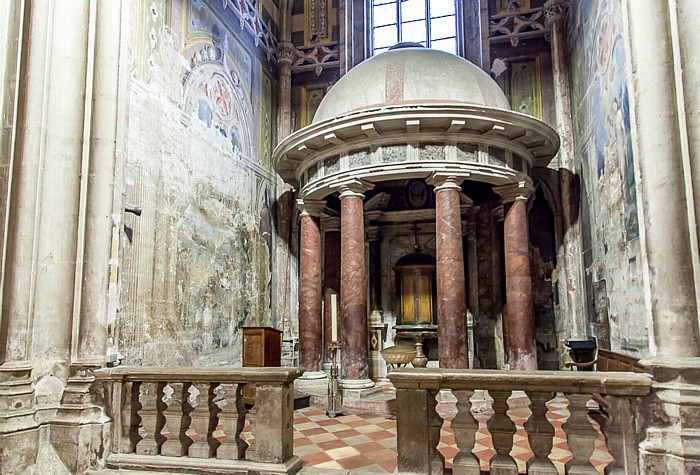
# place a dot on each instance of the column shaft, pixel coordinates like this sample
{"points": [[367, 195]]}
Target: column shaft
{"points": [[451, 294], [520, 316], [665, 209], [310, 323], [353, 288], [60, 184], [571, 283], [285, 55], [100, 187]]}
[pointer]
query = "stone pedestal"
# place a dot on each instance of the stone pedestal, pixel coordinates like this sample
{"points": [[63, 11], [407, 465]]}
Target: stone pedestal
{"points": [[671, 441]]}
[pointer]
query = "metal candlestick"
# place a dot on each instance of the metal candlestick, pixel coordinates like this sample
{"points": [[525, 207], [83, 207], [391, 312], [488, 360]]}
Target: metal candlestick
{"points": [[335, 394]]}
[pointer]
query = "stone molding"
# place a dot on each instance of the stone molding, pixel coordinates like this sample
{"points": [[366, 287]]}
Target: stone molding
{"points": [[448, 125]]}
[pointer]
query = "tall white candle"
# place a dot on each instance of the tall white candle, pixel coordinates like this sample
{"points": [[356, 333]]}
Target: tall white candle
{"points": [[334, 318]]}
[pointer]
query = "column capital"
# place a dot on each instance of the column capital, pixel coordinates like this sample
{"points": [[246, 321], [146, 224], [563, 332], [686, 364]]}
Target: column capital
{"points": [[354, 187], [445, 181], [514, 191], [286, 52], [311, 207], [555, 10]]}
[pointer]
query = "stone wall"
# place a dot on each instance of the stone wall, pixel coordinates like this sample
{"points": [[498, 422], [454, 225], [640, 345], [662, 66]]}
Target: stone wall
{"points": [[197, 264], [606, 165]]}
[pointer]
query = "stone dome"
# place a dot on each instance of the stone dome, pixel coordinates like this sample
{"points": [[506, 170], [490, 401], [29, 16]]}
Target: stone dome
{"points": [[410, 76]]}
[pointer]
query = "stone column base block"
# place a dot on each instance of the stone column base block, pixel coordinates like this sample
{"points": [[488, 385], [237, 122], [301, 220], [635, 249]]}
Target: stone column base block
{"points": [[18, 450], [311, 375], [81, 446], [503, 466]]}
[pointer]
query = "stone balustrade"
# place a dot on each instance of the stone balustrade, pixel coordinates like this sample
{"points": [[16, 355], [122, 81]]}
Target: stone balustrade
{"points": [[191, 419], [419, 424]]}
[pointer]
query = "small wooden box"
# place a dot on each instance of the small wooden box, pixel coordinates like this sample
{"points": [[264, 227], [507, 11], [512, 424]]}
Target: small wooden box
{"points": [[262, 346]]}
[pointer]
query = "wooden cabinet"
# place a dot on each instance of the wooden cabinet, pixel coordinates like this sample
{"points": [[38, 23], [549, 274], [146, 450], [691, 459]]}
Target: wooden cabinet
{"points": [[262, 346]]}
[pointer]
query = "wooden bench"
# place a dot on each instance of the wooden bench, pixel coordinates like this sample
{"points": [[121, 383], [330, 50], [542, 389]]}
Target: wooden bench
{"points": [[610, 361], [607, 360]]}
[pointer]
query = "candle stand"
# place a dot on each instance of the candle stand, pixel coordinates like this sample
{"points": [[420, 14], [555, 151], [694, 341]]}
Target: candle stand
{"points": [[335, 394]]}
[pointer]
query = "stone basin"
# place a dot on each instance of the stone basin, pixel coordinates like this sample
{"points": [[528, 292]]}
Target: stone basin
{"points": [[399, 354]]}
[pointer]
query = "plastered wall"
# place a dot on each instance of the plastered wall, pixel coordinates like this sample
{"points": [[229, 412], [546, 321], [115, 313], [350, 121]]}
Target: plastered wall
{"points": [[197, 265]]}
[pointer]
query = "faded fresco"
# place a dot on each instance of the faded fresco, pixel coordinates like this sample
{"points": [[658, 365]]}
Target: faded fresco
{"points": [[602, 120], [197, 264], [604, 147]]}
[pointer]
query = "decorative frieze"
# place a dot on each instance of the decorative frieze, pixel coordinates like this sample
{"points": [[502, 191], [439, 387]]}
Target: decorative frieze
{"points": [[517, 25], [316, 58]]}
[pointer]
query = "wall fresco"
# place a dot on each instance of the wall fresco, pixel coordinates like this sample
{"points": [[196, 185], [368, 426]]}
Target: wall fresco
{"points": [[197, 264], [604, 151]]}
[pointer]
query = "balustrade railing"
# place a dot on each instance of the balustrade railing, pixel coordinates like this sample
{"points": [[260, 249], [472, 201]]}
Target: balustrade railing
{"points": [[191, 419], [612, 394]]}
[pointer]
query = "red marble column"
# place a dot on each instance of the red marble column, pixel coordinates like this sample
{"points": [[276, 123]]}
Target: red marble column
{"points": [[310, 318], [451, 293], [520, 315], [353, 289]]}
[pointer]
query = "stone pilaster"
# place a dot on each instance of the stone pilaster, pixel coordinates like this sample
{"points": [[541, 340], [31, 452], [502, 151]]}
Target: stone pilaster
{"points": [[451, 294], [519, 320], [330, 228], [310, 314], [353, 289]]}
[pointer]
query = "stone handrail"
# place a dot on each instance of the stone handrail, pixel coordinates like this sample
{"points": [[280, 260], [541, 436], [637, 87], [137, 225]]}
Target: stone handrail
{"points": [[191, 418], [419, 424]]}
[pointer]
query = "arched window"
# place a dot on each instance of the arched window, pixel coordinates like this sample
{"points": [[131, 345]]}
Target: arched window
{"points": [[431, 23]]}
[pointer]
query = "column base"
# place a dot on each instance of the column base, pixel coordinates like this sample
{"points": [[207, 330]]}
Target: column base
{"points": [[312, 376], [358, 388]]}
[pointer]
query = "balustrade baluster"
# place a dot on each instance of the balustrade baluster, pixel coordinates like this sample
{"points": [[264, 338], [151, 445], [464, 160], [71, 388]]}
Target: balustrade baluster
{"points": [[540, 433], [176, 422], [229, 398], [199, 400], [465, 427], [437, 460], [502, 431], [129, 396], [620, 437], [580, 435], [150, 395]]}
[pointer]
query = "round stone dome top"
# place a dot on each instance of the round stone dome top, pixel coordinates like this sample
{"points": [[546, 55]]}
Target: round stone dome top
{"points": [[410, 76]]}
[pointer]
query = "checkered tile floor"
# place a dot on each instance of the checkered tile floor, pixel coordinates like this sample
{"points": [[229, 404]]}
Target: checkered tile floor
{"points": [[367, 441]]}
